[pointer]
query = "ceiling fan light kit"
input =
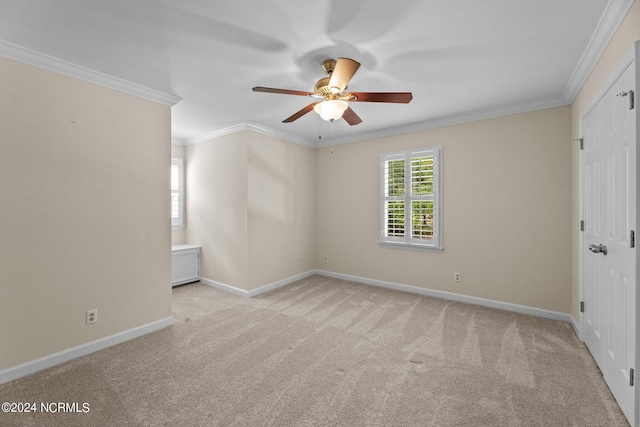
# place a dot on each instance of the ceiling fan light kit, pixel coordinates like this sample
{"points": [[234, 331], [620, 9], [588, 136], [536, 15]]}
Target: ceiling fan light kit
{"points": [[332, 92], [331, 110]]}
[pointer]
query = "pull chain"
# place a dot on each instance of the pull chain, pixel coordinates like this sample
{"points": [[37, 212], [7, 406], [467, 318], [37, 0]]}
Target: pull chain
{"points": [[332, 131]]}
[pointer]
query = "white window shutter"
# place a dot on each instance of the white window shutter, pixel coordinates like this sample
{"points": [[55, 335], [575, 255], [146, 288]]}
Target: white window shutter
{"points": [[177, 192], [411, 199]]}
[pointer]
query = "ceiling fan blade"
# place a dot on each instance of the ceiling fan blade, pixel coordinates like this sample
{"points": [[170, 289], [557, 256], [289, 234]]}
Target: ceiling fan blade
{"points": [[281, 91], [395, 97], [342, 73], [351, 117], [300, 113]]}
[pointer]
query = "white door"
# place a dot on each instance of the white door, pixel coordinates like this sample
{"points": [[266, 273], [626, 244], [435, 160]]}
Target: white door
{"points": [[609, 255]]}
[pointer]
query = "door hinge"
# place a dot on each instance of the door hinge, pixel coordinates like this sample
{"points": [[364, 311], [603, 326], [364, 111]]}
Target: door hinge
{"points": [[632, 239], [581, 306], [631, 96], [581, 142], [631, 379], [581, 225]]}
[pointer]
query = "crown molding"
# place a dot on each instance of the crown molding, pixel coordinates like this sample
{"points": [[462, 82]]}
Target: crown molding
{"points": [[414, 127], [178, 141], [490, 113], [51, 63], [265, 130], [610, 20], [254, 127], [214, 134]]}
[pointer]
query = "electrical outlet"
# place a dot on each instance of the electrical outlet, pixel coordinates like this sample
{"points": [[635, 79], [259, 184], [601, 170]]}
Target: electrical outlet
{"points": [[457, 277], [326, 258], [92, 316]]}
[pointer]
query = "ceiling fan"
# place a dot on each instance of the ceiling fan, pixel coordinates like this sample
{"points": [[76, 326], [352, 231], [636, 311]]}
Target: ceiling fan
{"points": [[333, 95]]}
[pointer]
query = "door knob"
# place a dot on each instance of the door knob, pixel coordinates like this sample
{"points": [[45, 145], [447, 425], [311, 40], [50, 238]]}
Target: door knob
{"points": [[598, 249]]}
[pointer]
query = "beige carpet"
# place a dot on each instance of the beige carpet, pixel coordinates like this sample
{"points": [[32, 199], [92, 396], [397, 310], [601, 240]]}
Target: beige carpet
{"points": [[325, 352]]}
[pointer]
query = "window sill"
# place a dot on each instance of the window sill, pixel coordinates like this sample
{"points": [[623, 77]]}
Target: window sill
{"points": [[411, 247]]}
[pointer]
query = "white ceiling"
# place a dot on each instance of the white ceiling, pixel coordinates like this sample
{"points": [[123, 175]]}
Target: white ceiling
{"points": [[461, 59]]}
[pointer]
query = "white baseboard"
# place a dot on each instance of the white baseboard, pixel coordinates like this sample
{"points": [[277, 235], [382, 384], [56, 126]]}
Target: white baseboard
{"points": [[224, 287], [547, 314], [257, 291], [33, 366], [522, 309], [576, 327]]}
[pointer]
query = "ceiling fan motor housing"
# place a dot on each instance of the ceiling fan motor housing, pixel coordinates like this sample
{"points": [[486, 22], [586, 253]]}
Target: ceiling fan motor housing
{"points": [[322, 86]]}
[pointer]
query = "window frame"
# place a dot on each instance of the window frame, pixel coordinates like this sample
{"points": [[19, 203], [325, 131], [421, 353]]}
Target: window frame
{"points": [[177, 222], [407, 241]]}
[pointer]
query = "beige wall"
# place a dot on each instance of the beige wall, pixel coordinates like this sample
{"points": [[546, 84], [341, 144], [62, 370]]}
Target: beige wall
{"points": [[178, 236], [250, 205], [507, 210], [217, 206], [84, 222], [622, 41], [281, 209]]}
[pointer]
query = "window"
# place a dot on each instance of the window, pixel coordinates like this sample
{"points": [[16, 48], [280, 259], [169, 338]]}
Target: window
{"points": [[411, 199], [177, 193]]}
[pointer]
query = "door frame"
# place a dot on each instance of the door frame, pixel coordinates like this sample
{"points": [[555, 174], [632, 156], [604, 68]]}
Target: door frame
{"points": [[632, 56]]}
